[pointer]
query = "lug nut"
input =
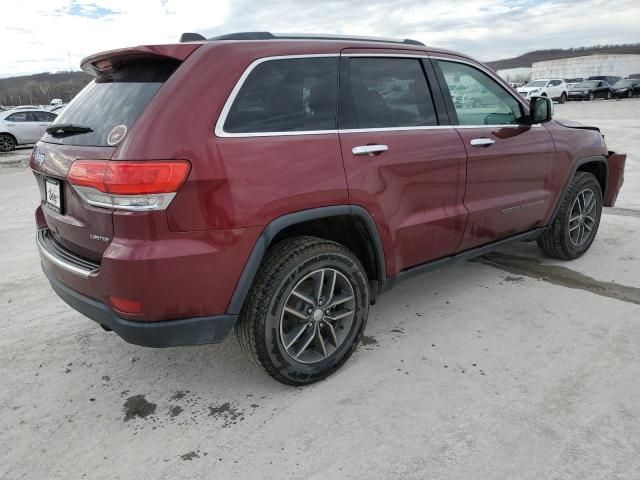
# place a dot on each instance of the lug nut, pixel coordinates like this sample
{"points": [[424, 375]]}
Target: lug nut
{"points": [[327, 311]]}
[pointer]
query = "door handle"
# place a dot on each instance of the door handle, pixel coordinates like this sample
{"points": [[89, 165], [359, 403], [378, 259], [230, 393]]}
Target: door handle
{"points": [[482, 142], [369, 149]]}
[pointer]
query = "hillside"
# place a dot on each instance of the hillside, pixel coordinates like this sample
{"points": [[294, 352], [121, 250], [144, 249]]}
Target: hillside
{"points": [[40, 88], [529, 58]]}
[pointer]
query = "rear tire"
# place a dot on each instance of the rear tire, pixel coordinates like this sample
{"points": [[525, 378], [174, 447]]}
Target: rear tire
{"points": [[563, 97], [287, 325], [574, 227], [7, 142], [609, 95]]}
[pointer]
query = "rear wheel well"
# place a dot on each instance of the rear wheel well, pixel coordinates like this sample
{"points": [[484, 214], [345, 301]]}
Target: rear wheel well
{"points": [[598, 170], [347, 230], [11, 135]]}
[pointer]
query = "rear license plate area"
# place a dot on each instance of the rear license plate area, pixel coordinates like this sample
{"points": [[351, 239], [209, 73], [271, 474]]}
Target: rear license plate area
{"points": [[53, 194]]}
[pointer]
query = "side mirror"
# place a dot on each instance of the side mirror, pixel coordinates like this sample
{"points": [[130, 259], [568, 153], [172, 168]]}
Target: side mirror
{"points": [[541, 109]]}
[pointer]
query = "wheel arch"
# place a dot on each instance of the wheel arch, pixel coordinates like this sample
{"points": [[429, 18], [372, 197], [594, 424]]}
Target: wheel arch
{"points": [[15, 139], [363, 240], [596, 165]]}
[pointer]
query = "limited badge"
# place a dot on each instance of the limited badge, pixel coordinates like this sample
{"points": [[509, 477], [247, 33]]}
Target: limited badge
{"points": [[116, 134]]}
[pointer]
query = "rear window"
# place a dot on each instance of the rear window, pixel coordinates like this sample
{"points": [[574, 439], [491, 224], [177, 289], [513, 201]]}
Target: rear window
{"points": [[114, 98]]}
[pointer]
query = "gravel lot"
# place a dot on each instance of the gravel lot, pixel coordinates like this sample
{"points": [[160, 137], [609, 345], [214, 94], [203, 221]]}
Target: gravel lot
{"points": [[510, 366]]}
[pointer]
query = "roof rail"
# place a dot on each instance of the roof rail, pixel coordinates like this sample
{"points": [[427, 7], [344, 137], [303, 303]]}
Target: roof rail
{"points": [[191, 37]]}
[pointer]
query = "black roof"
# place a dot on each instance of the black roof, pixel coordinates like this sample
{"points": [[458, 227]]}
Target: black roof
{"points": [[196, 37]]}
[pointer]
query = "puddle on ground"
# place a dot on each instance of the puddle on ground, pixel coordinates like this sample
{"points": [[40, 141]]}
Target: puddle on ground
{"points": [[534, 268]]}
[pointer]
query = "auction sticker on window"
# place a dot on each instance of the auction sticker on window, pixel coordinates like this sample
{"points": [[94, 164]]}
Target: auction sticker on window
{"points": [[116, 134]]}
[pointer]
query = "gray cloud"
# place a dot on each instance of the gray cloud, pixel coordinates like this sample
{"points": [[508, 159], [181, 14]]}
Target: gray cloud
{"points": [[487, 30]]}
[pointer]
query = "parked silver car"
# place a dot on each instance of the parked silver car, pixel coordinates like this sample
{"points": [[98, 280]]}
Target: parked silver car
{"points": [[19, 127]]}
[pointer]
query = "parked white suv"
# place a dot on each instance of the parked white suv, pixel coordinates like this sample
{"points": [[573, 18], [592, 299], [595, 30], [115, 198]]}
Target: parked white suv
{"points": [[19, 127], [554, 88]]}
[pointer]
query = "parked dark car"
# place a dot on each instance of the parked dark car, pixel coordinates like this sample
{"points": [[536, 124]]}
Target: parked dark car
{"points": [[626, 88], [591, 89], [610, 79], [280, 184]]}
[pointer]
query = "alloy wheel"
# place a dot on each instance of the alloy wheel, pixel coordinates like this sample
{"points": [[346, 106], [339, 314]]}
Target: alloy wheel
{"points": [[582, 217], [317, 316], [6, 143]]}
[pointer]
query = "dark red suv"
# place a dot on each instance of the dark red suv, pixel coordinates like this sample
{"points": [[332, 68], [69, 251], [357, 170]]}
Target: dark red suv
{"points": [[280, 184]]}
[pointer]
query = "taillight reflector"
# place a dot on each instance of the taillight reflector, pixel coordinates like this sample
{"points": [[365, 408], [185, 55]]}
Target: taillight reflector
{"points": [[124, 305], [129, 178]]}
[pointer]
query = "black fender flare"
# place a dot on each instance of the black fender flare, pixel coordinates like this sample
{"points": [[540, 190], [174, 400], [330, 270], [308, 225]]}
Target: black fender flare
{"points": [[272, 229], [594, 159]]}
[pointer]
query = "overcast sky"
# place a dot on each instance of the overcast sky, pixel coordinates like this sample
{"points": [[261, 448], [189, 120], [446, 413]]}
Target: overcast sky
{"points": [[52, 35]]}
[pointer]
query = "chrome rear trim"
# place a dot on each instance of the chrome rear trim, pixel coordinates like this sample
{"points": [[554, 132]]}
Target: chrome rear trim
{"points": [[50, 249]]}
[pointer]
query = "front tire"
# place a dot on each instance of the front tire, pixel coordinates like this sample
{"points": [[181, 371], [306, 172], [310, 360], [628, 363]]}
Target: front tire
{"points": [[7, 142], [590, 96], [306, 311], [574, 227], [609, 95]]}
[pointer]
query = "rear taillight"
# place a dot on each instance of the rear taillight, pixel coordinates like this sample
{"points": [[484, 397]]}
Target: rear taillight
{"points": [[140, 185]]}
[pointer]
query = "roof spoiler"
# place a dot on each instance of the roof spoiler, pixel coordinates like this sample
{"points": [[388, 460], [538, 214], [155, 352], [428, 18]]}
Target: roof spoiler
{"points": [[112, 59]]}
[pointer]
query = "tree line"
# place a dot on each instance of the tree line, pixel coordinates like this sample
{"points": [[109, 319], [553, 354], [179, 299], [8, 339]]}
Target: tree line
{"points": [[529, 58], [41, 88]]}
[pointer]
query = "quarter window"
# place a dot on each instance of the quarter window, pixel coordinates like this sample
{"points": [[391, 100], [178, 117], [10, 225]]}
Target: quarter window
{"points": [[298, 94], [44, 116], [478, 99], [389, 92]]}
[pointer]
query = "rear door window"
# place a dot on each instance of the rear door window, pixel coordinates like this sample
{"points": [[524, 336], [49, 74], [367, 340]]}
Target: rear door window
{"points": [[288, 95], [44, 116], [114, 98], [388, 93]]}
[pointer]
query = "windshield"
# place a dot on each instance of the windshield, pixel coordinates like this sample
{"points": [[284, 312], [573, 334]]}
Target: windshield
{"points": [[537, 83], [624, 83], [587, 84], [113, 99]]}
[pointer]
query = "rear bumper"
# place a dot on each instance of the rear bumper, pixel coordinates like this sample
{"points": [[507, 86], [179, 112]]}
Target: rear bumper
{"points": [[170, 275], [172, 333]]}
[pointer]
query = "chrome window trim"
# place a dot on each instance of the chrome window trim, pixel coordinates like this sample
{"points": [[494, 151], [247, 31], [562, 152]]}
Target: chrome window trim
{"points": [[431, 127], [222, 118], [219, 127]]}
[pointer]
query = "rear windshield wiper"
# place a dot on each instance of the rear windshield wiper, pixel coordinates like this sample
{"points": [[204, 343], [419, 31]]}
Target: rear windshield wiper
{"points": [[67, 128]]}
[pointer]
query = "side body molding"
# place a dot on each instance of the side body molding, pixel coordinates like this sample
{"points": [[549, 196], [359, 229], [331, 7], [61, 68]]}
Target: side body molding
{"points": [[276, 226]]}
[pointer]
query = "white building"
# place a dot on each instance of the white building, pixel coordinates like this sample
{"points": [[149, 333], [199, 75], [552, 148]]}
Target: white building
{"points": [[620, 65], [516, 75]]}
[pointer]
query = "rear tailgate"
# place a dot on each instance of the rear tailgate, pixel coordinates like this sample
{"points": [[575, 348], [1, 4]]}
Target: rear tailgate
{"points": [[80, 228], [90, 128]]}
